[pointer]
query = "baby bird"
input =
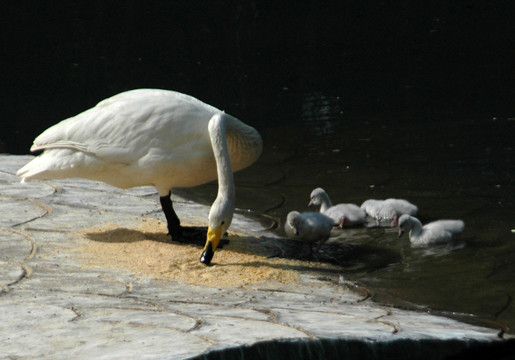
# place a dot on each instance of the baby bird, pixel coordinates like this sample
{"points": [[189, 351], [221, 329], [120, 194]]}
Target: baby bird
{"points": [[434, 232], [309, 227], [387, 212], [348, 214]]}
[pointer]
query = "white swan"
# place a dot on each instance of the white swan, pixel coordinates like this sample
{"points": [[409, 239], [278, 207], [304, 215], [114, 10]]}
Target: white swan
{"points": [[342, 214], [434, 232], [309, 227], [388, 211], [152, 137]]}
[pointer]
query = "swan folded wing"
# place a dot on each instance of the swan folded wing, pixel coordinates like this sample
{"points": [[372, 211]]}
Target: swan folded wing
{"points": [[65, 159], [57, 163], [110, 153], [62, 144]]}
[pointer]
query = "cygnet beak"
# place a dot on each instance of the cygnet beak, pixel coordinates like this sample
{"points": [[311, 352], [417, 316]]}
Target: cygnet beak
{"points": [[401, 231]]}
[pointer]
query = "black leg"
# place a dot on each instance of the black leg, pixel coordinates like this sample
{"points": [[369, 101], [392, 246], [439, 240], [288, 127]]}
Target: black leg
{"points": [[179, 233], [174, 224], [320, 243]]}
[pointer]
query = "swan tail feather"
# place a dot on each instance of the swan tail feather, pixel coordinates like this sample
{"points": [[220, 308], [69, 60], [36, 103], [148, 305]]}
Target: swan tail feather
{"points": [[56, 164]]}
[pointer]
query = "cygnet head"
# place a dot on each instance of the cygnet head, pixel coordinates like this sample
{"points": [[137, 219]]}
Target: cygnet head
{"points": [[316, 197], [405, 224], [293, 220]]}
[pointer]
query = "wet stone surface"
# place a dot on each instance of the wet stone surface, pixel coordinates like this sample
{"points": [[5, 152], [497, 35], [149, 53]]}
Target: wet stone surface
{"points": [[53, 306]]}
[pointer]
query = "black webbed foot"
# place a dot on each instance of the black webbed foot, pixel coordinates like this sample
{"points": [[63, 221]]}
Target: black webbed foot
{"points": [[193, 235], [190, 235]]}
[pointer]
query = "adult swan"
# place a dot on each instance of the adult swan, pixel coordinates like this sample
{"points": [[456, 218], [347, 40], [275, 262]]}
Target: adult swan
{"points": [[152, 137]]}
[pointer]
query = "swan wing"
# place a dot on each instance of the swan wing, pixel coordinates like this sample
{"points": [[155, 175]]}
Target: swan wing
{"points": [[124, 128], [141, 137], [109, 152]]}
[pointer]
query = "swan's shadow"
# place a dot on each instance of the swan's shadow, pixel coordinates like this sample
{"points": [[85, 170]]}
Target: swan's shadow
{"points": [[192, 235]]}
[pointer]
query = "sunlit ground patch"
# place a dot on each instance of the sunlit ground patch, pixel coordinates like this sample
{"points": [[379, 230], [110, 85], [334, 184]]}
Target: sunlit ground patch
{"points": [[145, 250]]}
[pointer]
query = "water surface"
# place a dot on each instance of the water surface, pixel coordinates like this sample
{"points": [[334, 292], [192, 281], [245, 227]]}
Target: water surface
{"points": [[452, 169]]}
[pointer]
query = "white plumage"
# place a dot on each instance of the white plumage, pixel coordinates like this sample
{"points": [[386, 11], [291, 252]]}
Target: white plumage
{"points": [[145, 137], [434, 232], [388, 211], [342, 214], [140, 137], [309, 227]]}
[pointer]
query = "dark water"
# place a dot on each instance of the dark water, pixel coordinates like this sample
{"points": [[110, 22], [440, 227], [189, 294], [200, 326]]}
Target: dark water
{"points": [[366, 350], [459, 169], [363, 99]]}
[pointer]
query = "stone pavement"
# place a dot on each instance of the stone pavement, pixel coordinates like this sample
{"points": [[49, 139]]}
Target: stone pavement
{"points": [[52, 306]]}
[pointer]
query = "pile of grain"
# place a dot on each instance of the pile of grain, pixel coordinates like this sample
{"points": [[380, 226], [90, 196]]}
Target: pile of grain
{"points": [[145, 250]]}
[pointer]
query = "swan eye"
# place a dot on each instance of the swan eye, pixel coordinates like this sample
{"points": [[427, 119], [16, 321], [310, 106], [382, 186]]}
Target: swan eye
{"points": [[223, 222]]}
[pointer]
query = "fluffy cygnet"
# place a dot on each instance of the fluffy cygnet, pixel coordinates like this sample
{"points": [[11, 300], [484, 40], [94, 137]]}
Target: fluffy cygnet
{"points": [[387, 212], [434, 232], [310, 227], [343, 214]]}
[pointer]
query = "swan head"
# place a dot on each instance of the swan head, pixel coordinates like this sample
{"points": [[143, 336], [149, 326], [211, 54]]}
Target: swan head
{"points": [[405, 224], [219, 220], [316, 197]]}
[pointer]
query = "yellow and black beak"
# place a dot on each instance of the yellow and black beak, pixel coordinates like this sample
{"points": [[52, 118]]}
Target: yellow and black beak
{"points": [[213, 239]]}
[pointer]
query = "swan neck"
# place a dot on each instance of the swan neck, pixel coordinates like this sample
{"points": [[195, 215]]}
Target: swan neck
{"points": [[416, 228], [217, 132], [326, 202]]}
